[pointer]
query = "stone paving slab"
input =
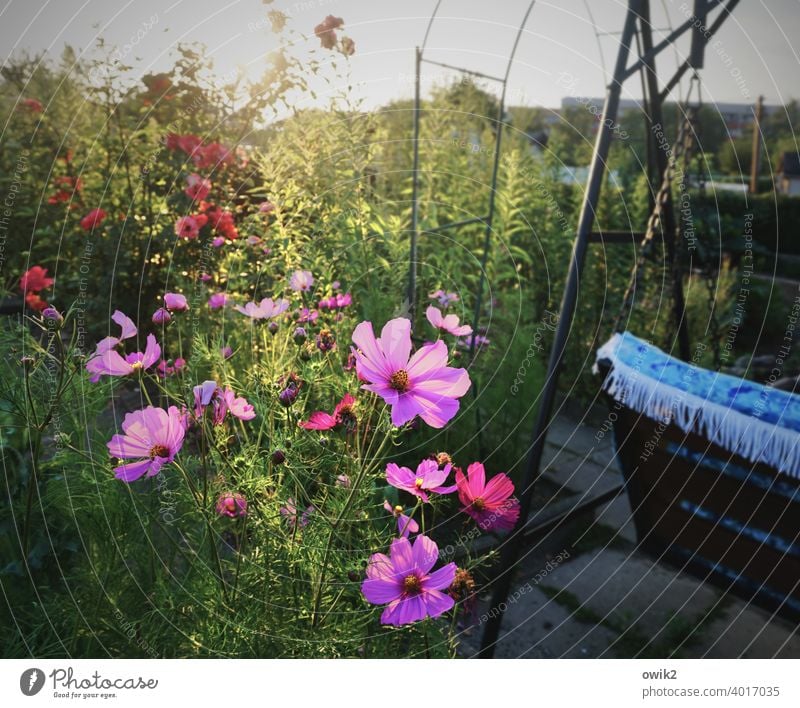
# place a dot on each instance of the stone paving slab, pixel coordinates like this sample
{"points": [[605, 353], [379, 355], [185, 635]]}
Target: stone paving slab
{"points": [[631, 590], [535, 627], [617, 515], [748, 632]]}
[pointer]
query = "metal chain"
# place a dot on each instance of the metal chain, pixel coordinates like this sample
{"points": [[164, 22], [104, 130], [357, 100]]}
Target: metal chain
{"points": [[683, 146]]}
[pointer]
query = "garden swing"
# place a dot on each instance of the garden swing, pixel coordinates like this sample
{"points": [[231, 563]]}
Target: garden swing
{"points": [[711, 462]]}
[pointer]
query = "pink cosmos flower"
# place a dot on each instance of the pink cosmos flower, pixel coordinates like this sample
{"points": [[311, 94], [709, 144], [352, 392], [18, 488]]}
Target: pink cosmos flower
{"points": [[289, 512], [218, 241], [197, 187], [421, 385], [209, 395], [93, 219], [35, 279], [336, 302], [176, 302], [106, 360], [427, 478], [444, 298], [218, 300], [342, 416], [164, 368], [405, 524], [466, 342], [446, 323], [266, 207], [266, 309], [226, 352], [233, 505], [152, 437], [301, 281], [187, 227], [306, 315], [403, 581], [491, 504]]}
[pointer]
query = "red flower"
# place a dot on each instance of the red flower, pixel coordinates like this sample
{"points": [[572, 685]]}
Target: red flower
{"points": [[32, 105], [33, 301], [93, 219], [211, 156], [34, 280], [197, 187], [491, 504]]}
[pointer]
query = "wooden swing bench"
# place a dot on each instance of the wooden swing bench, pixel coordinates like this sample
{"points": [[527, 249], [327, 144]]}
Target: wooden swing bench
{"points": [[712, 470]]}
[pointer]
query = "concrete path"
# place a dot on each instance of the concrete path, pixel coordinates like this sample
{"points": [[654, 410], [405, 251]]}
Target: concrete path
{"points": [[586, 591]]}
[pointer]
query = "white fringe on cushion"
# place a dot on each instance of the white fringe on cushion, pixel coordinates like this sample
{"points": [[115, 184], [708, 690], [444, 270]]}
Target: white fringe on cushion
{"points": [[747, 436]]}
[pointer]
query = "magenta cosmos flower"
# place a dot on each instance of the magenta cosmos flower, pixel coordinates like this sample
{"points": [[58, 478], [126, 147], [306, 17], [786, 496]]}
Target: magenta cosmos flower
{"points": [[403, 581], [422, 385], [342, 416], [266, 309], [218, 300], [447, 323], [233, 505], [491, 504], [152, 437], [405, 524], [106, 360], [301, 281], [427, 478]]}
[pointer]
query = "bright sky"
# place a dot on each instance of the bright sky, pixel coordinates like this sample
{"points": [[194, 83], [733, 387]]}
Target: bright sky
{"points": [[756, 53]]}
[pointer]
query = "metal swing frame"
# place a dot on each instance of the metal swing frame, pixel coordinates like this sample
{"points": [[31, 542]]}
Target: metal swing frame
{"points": [[419, 60], [636, 27]]}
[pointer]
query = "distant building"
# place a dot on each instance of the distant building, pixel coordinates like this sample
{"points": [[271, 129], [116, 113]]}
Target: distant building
{"points": [[738, 117], [787, 180]]}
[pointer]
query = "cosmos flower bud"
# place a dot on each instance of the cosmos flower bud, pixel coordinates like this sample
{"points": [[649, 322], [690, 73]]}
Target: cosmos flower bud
{"points": [[273, 327], [50, 313], [161, 316], [288, 396], [278, 458], [299, 335]]}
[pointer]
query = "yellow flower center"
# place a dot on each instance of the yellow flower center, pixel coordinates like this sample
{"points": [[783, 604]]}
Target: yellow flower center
{"points": [[398, 510], [136, 365], [478, 504], [399, 381], [159, 451], [418, 482], [411, 585]]}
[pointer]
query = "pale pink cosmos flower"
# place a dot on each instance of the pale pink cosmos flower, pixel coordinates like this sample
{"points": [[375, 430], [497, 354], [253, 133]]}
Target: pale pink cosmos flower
{"points": [[106, 360], [210, 396], [403, 581], [266, 309], [427, 478], [447, 323], [444, 298], [419, 385], [301, 281], [176, 302], [152, 437]]}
